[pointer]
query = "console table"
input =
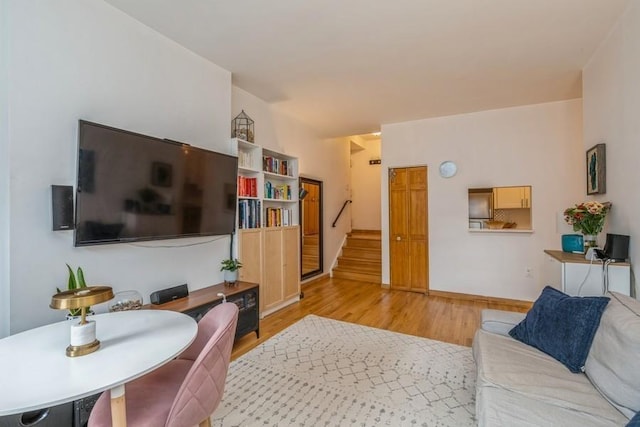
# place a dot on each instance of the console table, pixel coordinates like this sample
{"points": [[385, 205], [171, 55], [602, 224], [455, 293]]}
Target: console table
{"points": [[573, 274], [243, 294]]}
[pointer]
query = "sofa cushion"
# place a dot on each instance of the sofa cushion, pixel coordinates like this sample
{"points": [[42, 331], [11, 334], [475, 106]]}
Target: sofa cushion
{"points": [[500, 321], [562, 326], [635, 421], [518, 385], [613, 365]]}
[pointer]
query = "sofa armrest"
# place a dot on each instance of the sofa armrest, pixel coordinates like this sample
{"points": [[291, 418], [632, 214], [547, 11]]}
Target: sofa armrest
{"points": [[500, 322]]}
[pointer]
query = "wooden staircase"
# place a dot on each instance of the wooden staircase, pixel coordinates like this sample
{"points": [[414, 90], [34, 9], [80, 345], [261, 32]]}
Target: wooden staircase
{"points": [[361, 257]]}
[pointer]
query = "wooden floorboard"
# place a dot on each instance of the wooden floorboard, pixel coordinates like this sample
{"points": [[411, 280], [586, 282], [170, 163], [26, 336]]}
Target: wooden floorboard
{"points": [[442, 318]]}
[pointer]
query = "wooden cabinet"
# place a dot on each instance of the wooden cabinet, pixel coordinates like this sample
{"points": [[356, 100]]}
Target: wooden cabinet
{"points": [[268, 218], [276, 251], [512, 197]]}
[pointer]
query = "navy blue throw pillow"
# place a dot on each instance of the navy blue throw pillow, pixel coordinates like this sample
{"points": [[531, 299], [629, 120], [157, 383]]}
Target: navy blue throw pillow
{"points": [[562, 326], [635, 421]]}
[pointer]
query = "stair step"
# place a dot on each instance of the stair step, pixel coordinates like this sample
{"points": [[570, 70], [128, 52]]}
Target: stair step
{"points": [[369, 269], [362, 253], [361, 277], [354, 242], [359, 262], [366, 232]]}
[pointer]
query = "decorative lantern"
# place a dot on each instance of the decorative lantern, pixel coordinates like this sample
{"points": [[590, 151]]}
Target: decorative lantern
{"points": [[242, 127]]}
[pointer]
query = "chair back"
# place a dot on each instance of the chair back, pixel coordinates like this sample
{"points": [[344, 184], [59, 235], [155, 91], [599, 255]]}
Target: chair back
{"points": [[202, 388]]}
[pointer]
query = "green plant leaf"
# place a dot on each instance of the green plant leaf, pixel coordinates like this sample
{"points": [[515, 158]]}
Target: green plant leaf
{"points": [[72, 279], [81, 282]]}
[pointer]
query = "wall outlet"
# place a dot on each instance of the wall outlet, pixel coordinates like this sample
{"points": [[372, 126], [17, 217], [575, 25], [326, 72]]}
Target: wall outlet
{"points": [[528, 272]]}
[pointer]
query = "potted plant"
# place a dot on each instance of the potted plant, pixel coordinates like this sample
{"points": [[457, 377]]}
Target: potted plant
{"points": [[76, 281], [230, 268]]}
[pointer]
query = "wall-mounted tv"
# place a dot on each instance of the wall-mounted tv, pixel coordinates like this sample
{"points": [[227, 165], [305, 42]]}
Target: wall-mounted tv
{"points": [[135, 187]]}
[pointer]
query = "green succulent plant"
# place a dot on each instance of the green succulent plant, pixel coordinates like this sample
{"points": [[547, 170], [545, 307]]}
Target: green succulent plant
{"points": [[76, 281]]}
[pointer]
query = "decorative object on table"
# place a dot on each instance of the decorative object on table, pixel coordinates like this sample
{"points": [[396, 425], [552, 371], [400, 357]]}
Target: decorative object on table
{"points": [[76, 281], [596, 170], [242, 127], [230, 268], [126, 300], [83, 335], [588, 218], [572, 243]]}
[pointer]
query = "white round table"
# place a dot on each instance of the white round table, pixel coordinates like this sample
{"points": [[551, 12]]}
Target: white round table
{"points": [[37, 374]]}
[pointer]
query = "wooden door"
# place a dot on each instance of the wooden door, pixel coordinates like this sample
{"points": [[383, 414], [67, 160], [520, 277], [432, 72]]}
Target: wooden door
{"points": [[408, 229], [273, 258], [290, 271]]}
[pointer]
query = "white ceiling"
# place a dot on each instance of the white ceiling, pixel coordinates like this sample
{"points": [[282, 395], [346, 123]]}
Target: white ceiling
{"points": [[347, 66]]}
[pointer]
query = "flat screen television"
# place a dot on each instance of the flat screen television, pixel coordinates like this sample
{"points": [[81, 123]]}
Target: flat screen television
{"points": [[134, 187]]}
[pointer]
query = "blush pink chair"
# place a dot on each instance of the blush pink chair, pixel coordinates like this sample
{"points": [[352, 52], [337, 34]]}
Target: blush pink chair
{"points": [[185, 391]]}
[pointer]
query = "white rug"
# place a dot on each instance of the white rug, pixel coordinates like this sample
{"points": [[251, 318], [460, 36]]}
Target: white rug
{"points": [[322, 372]]}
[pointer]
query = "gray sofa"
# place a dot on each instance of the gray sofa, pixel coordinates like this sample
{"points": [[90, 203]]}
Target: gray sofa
{"points": [[518, 385]]}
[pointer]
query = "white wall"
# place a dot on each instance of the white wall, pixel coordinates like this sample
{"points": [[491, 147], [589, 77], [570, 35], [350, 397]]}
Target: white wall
{"points": [[83, 59], [365, 182], [324, 160], [611, 93], [4, 174], [537, 145]]}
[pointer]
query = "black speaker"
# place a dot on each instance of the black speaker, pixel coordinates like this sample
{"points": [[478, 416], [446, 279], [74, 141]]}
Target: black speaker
{"points": [[169, 294], [62, 207], [616, 247]]}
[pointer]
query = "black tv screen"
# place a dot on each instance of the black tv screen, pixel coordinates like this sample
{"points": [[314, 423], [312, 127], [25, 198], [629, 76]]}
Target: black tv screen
{"points": [[135, 187]]}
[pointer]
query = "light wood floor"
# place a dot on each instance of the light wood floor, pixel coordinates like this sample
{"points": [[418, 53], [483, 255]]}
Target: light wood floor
{"points": [[441, 318]]}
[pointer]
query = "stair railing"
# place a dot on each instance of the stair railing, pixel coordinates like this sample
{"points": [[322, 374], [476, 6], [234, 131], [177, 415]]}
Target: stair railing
{"points": [[344, 205]]}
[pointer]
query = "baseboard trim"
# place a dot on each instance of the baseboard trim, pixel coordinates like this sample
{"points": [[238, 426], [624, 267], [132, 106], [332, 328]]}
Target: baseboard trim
{"points": [[481, 298], [310, 280]]}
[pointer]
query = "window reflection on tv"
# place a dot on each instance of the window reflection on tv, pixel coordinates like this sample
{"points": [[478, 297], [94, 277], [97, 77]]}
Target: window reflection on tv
{"points": [[135, 187]]}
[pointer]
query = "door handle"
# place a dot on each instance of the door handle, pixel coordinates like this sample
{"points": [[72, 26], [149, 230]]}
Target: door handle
{"points": [[398, 238]]}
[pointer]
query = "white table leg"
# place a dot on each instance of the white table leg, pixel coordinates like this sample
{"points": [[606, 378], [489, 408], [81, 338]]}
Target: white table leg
{"points": [[118, 407]]}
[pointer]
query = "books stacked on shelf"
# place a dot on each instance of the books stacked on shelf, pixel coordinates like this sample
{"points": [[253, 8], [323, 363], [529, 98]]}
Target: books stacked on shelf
{"points": [[247, 187], [249, 214], [278, 217], [278, 192], [245, 159], [275, 165]]}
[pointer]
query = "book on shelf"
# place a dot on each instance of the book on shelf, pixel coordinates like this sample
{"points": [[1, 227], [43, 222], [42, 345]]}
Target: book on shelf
{"points": [[245, 159], [249, 212], [247, 187], [278, 217], [277, 166], [278, 192]]}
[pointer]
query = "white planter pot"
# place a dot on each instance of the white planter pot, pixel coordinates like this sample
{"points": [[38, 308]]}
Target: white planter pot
{"points": [[230, 277]]}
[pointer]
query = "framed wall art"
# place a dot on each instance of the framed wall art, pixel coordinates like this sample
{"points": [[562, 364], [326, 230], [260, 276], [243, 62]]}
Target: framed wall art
{"points": [[596, 170]]}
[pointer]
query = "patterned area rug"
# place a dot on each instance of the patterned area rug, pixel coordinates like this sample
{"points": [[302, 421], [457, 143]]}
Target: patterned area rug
{"points": [[322, 372]]}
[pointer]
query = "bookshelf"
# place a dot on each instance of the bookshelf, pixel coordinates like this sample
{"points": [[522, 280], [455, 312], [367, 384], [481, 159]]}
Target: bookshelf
{"points": [[267, 186], [268, 223]]}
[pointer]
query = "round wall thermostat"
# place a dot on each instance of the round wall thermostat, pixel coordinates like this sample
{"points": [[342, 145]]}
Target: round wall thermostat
{"points": [[448, 169]]}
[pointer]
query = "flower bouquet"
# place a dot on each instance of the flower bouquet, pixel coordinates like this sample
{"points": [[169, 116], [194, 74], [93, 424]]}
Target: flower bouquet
{"points": [[587, 217]]}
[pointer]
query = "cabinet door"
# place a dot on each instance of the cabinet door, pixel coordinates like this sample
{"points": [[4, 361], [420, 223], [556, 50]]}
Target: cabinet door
{"points": [[250, 255], [526, 197], [508, 197], [273, 259], [291, 275]]}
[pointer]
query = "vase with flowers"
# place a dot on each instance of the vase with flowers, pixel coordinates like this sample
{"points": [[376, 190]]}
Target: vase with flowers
{"points": [[588, 218]]}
